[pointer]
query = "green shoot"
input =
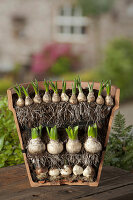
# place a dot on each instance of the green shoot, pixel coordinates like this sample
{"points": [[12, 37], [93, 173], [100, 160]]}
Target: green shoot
{"points": [[53, 135], [63, 87], [54, 87], [108, 87], [90, 86], [74, 87], [18, 90], [35, 87], [102, 85], [46, 85], [79, 84], [92, 131], [25, 90], [36, 132], [72, 133]]}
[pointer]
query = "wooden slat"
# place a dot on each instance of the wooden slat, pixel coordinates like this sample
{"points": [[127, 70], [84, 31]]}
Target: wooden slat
{"points": [[115, 183]]}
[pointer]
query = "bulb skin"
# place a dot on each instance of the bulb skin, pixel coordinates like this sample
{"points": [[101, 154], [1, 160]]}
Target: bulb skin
{"points": [[92, 145], [64, 97], [77, 170], [91, 97], [36, 146], [109, 101], [28, 101], [73, 146], [54, 147], [55, 98], [100, 100], [47, 97], [20, 102], [37, 99], [73, 99], [81, 97]]}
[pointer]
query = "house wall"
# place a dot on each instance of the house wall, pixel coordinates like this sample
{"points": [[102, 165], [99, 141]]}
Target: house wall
{"points": [[39, 30]]}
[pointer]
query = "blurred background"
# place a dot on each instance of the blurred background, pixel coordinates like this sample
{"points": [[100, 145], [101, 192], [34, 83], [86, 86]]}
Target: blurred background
{"points": [[59, 39]]}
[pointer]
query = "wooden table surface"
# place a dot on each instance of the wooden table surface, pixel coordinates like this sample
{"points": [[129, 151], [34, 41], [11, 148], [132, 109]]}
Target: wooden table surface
{"points": [[115, 184]]}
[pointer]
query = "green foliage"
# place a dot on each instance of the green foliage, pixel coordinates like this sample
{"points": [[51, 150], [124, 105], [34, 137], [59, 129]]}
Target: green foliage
{"points": [[92, 131], [119, 151], [5, 83], [25, 90], [63, 86], [74, 87], [61, 66], [90, 86], [10, 151], [95, 7], [118, 66], [53, 135], [108, 87], [54, 86], [72, 132], [18, 90], [35, 86], [36, 132], [79, 84], [46, 85]]}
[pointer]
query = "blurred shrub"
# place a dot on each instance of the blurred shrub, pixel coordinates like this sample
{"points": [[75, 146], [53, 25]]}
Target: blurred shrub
{"points": [[119, 151], [94, 7], [61, 66], [5, 83], [118, 66], [10, 151], [54, 59]]}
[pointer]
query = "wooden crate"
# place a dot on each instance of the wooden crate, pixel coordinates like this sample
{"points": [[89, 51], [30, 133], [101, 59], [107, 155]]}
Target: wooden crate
{"points": [[115, 93]]}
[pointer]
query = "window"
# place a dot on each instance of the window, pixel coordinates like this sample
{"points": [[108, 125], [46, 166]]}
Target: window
{"points": [[70, 24], [19, 24]]}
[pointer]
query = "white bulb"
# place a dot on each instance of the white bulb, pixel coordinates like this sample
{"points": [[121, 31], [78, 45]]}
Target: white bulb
{"points": [[66, 171], [54, 172], [88, 171], [77, 170]]}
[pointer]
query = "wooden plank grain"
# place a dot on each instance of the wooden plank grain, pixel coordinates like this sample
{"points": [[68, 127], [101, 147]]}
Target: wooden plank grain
{"points": [[14, 185]]}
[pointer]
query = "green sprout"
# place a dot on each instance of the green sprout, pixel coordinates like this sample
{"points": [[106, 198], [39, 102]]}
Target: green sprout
{"points": [[108, 87], [35, 86], [46, 85], [18, 90], [74, 87], [90, 86], [36, 132], [72, 132], [102, 86], [92, 131], [54, 87], [63, 87], [25, 90], [53, 135], [79, 84]]}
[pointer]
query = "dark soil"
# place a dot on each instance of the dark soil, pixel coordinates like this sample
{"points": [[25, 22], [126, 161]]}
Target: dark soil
{"points": [[63, 115]]}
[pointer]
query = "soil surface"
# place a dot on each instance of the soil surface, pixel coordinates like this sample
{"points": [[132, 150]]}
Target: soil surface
{"points": [[63, 115]]}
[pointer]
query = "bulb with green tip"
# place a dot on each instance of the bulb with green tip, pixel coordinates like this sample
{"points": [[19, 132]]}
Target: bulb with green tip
{"points": [[35, 145], [108, 99], [28, 100], [54, 146], [20, 102], [55, 97], [64, 96], [37, 98], [46, 96], [73, 145], [92, 145]]}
